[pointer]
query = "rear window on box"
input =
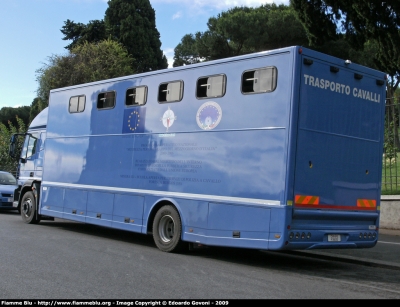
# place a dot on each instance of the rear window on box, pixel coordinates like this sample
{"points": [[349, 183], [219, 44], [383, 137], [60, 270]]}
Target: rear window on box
{"points": [[106, 100], [77, 104], [170, 91], [136, 96], [261, 80], [211, 86]]}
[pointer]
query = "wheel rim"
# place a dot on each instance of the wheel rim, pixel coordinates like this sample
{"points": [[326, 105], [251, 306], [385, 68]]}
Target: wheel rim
{"points": [[27, 207], [166, 228]]}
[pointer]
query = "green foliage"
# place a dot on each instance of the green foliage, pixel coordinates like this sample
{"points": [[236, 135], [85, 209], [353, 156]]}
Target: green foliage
{"points": [[104, 60], [6, 162], [10, 114], [37, 106], [389, 147], [317, 18], [133, 24], [391, 158], [390, 174], [79, 33], [85, 63], [366, 56], [361, 22], [186, 52], [283, 28], [129, 22], [242, 30]]}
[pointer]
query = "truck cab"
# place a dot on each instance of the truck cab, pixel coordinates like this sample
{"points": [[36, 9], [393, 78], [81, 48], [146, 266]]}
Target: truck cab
{"points": [[30, 166]]}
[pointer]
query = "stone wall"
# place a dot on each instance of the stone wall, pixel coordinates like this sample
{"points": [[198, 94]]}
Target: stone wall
{"points": [[390, 212]]}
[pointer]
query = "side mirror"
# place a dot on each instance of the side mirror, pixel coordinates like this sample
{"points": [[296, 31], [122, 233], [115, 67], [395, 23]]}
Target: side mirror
{"points": [[11, 148]]}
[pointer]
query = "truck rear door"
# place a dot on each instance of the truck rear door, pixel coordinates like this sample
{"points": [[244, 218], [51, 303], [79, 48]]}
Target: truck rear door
{"points": [[339, 143]]}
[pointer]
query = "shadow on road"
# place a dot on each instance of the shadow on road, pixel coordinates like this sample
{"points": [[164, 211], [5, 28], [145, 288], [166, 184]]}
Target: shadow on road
{"points": [[255, 259], [8, 211]]}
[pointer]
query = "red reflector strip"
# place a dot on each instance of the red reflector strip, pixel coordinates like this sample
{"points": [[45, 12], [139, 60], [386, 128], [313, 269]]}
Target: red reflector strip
{"points": [[366, 203], [306, 200], [336, 207]]}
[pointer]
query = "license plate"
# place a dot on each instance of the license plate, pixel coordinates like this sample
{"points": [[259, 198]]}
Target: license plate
{"points": [[10, 200], [333, 238]]}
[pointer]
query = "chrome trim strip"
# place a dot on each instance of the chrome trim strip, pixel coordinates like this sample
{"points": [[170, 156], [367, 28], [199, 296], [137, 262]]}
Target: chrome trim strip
{"points": [[166, 194], [29, 178], [162, 134], [235, 239]]}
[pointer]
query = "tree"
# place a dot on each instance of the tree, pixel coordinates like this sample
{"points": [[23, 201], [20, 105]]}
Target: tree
{"points": [[242, 30], [10, 114], [133, 24], [36, 107], [129, 22], [361, 21], [185, 52], [79, 33], [6, 162], [84, 63]]}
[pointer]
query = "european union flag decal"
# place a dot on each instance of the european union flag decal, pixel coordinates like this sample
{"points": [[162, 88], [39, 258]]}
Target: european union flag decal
{"points": [[134, 120]]}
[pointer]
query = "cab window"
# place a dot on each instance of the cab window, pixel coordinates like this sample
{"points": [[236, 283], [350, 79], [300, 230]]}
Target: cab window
{"points": [[30, 144]]}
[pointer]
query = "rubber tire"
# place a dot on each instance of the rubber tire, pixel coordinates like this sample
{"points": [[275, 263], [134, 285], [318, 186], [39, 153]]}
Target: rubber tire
{"points": [[167, 230], [28, 209]]}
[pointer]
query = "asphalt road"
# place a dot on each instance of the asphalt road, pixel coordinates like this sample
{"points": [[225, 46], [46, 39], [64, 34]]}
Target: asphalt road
{"points": [[68, 260]]}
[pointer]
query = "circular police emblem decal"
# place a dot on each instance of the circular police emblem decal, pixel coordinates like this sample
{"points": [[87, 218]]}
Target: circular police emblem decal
{"points": [[209, 115]]}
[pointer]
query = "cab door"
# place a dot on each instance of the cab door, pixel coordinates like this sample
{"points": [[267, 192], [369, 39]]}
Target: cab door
{"points": [[29, 162]]}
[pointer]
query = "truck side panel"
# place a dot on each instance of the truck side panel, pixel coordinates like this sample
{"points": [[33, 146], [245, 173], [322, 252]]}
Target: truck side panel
{"points": [[237, 167]]}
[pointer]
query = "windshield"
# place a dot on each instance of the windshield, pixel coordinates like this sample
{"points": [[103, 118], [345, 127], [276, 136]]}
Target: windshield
{"points": [[7, 179]]}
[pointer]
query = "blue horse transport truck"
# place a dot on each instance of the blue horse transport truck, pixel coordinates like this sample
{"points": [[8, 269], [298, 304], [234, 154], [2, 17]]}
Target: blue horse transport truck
{"points": [[277, 150]]}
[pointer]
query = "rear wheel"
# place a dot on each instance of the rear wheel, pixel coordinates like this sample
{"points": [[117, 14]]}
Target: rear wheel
{"points": [[167, 230], [28, 209]]}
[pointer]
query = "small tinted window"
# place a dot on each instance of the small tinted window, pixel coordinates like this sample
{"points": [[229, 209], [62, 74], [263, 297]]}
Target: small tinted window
{"points": [[170, 92], [211, 86], [261, 80], [136, 96], [106, 100], [77, 104]]}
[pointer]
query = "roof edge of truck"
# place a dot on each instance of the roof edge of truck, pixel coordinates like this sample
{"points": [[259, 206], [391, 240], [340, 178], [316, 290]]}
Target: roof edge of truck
{"points": [[40, 121]]}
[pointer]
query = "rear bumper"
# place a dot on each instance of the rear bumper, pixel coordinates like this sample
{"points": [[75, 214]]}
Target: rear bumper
{"points": [[306, 239]]}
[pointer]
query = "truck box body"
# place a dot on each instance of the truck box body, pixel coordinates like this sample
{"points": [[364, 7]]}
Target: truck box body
{"points": [[339, 148], [297, 166]]}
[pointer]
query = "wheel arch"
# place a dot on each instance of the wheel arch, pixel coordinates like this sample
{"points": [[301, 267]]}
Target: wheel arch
{"points": [[156, 206], [31, 186]]}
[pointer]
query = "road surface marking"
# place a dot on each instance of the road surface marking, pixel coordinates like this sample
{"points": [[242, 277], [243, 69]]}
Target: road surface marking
{"points": [[388, 242]]}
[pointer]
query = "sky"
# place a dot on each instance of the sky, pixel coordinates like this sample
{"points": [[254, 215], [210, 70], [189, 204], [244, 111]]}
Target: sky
{"points": [[30, 33]]}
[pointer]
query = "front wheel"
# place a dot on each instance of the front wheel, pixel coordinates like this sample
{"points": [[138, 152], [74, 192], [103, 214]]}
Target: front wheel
{"points": [[28, 209], [167, 230]]}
